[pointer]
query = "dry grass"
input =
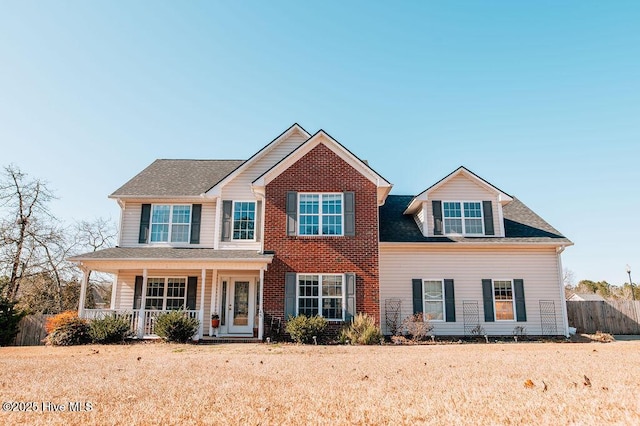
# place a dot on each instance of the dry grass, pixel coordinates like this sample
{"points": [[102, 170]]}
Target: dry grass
{"points": [[524, 383]]}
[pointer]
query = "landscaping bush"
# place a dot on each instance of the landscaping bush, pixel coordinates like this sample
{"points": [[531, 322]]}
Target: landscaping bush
{"points": [[9, 320], [176, 326], [302, 328], [57, 320], [110, 329], [69, 330], [361, 331], [417, 327]]}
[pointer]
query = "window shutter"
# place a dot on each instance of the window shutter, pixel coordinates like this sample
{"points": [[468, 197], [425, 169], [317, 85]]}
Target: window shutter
{"points": [[145, 218], [351, 296], [417, 295], [487, 298], [192, 287], [226, 220], [349, 214], [196, 213], [488, 218], [292, 213], [258, 222], [521, 311], [137, 293], [449, 301], [289, 295], [436, 206]]}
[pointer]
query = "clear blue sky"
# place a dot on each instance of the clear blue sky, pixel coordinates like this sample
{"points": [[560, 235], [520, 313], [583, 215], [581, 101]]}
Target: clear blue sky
{"points": [[540, 98]]}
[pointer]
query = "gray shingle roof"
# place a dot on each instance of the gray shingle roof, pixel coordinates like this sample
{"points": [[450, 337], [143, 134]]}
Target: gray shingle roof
{"points": [[168, 178], [521, 226], [170, 253]]}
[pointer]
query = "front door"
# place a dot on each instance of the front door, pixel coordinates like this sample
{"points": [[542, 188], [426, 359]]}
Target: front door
{"points": [[240, 306]]}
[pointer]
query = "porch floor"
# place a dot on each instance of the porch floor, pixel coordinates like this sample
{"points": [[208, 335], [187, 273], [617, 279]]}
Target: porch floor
{"points": [[207, 340]]}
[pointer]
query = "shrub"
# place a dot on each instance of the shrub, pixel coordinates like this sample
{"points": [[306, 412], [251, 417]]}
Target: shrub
{"points": [[176, 326], [9, 320], [361, 331], [69, 330], [57, 320], [110, 329], [303, 328], [417, 327]]}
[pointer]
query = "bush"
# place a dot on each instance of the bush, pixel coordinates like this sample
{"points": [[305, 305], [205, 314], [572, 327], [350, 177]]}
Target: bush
{"points": [[362, 331], [69, 330], [417, 327], [302, 328], [176, 326], [57, 320], [110, 329], [9, 320]]}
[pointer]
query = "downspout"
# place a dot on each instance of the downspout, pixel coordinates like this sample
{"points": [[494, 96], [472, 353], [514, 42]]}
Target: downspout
{"points": [[565, 319]]}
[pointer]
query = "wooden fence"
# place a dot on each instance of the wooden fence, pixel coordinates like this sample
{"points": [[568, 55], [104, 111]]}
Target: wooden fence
{"points": [[610, 316], [31, 330]]}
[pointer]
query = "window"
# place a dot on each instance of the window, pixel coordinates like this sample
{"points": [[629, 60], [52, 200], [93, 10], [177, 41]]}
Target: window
{"points": [[320, 214], [463, 218], [170, 223], [321, 295], [244, 220], [503, 299], [166, 293], [433, 297]]}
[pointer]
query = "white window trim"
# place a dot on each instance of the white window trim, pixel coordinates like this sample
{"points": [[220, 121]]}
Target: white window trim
{"points": [[164, 297], [171, 206], [344, 293], [444, 304], [444, 228], [513, 300], [233, 214], [320, 215]]}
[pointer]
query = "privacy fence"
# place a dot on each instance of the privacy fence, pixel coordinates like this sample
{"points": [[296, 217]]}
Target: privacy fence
{"points": [[609, 316], [31, 330]]}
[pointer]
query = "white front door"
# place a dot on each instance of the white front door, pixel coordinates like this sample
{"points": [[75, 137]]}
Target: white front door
{"points": [[241, 305]]}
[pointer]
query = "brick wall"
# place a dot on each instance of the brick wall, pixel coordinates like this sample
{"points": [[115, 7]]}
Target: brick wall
{"points": [[321, 170]]}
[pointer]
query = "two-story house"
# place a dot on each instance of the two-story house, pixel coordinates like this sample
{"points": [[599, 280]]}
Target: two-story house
{"points": [[306, 227]]}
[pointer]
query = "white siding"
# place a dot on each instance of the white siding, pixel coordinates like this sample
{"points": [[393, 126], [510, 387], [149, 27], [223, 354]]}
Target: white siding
{"points": [[130, 226], [461, 188], [538, 268]]}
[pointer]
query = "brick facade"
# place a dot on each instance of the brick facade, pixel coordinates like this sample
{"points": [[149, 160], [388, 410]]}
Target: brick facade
{"points": [[321, 170]]}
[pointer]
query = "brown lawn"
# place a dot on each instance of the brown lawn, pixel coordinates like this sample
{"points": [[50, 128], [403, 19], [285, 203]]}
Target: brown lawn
{"points": [[288, 384]]}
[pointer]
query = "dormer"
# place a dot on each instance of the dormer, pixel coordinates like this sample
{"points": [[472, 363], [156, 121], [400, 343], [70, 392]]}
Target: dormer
{"points": [[462, 204]]}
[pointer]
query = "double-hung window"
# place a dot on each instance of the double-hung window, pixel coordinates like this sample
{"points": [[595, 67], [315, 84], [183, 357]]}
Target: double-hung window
{"points": [[321, 294], [244, 220], [170, 223], [433, 299], [463, 217], [320, 214], [503, 299], [166, 293]]}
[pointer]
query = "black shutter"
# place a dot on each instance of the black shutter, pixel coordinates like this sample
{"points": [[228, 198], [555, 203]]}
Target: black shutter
{"points": [[349, 214], [488, 218], [196, 213], [292, 213], [192, 287], [417, 295], [289, 295], [449, 301], [351, 296], [521, 311], [145, 217], [258, 221], [226, 220], [137, 293], [436, 206], [487, 298]]}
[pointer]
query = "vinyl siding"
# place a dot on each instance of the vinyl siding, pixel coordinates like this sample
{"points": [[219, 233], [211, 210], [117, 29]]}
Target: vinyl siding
{"points": [[537, 267], [462, 188]]}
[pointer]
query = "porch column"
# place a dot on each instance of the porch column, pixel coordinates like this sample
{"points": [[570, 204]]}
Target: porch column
{"points": [[114, 290], [143, 303], [214, 296], [201, 313], [83, 290], [260, 310]]}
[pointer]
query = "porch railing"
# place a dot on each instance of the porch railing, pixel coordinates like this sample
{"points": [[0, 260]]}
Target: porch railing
{"points": [[133, 316]]}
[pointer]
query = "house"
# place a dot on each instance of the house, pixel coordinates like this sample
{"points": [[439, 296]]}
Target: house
{"points": [[304, 226], [586, 297]]}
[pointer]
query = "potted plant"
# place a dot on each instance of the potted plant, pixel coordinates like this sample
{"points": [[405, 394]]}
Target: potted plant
{"points": [[215, 320]]}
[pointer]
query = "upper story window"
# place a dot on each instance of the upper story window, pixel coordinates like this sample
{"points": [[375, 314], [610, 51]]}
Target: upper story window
{"points": [[170, 223], [462, 217], [244, 220], [320, 214]]}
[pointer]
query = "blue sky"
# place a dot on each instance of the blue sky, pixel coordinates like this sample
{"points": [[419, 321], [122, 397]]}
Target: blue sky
{"points": [[540, 98]]}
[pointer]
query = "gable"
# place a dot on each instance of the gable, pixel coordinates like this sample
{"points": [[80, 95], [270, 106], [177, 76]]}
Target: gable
{"points": [[462, 188]]}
